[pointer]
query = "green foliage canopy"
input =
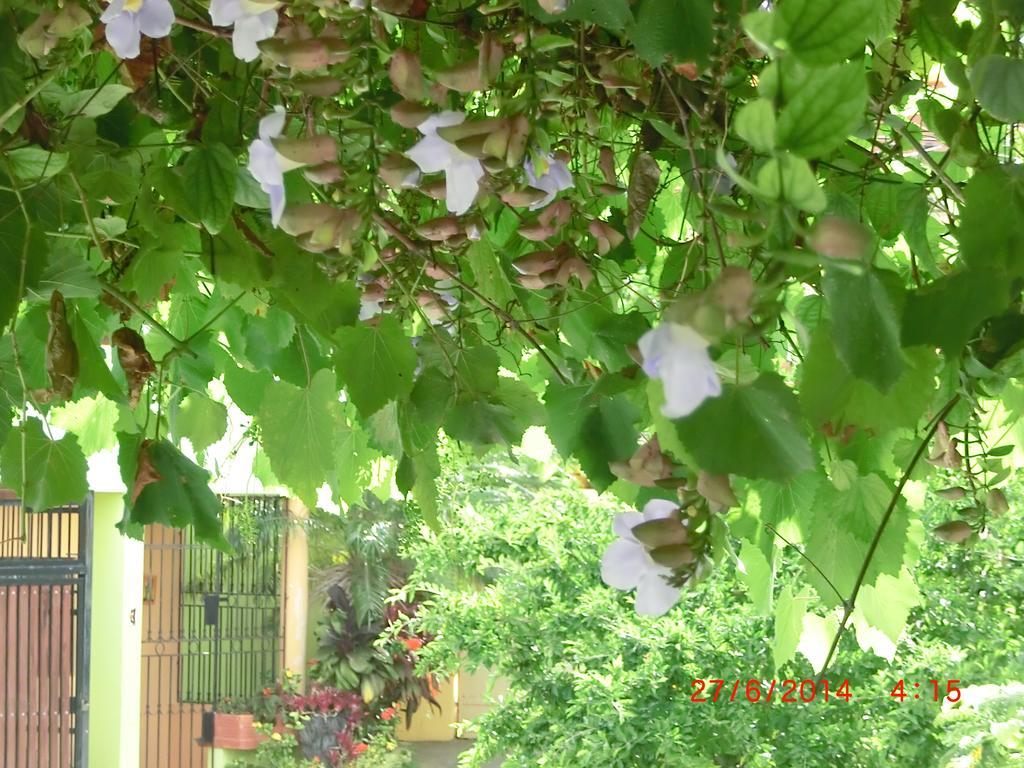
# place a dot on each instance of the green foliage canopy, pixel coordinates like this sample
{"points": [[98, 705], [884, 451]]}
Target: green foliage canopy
{"points": [[399, 219]]}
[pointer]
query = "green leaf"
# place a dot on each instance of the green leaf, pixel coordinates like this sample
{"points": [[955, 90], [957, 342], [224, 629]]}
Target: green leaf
{"points": [[180, 496], [755, 124], [68, 273], [202, 420], [830, 395], [34, 164], [752, 430], [422, 416], [885, 606], [845, 521], [377, 363], [324, 304], [789, 506], [594, 429], [758, 575], [816, 638], [994, 242], [823, 106], [790, 179], [596, 331], [789, 624], [826, 31], [947, 312], [428, 468], [93, 420], [93, 102], [211, 178], [679, 29], [501, 416], [866, 312], [998, 83], [54, 470], [17, 240], [93, 373], [299, 428], [610, 14], [246, 388]]}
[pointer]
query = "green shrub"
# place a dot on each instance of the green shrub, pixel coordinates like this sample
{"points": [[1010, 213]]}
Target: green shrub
{"points": [[516, 573]]}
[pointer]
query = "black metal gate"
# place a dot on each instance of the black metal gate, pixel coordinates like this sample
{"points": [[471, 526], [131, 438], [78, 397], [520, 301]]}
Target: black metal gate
{"points": [[212, 626], [44, 635]]}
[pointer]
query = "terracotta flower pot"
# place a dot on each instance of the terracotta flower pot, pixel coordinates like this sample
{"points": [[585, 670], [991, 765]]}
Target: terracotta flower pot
{"points": [[235, 732]]}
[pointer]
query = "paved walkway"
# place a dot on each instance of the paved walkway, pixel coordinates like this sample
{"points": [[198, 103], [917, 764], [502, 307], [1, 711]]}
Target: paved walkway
{"points": [[442, 754]]}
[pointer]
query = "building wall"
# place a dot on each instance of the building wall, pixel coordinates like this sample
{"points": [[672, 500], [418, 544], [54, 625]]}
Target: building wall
{"points": [[115, 666]]}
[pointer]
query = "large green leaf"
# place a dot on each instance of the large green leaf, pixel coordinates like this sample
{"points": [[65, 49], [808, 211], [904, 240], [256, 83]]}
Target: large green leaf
{"points": [[998, 83], [93, 373], [17, 240], [946, 313], [994, 241], [758, 575], [833, 399], [611, 14], [789, 624], [680, 29], [752, 430], [593, 428], [827, 31], [179, 495], [866, 311], [377, 363], [822, 106], [53, 470], [202, 420], [299, 428], [210, 175], [845, 521], [501, 416], [884, 607]]}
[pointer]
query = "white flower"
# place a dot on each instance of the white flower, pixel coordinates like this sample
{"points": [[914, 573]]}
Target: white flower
{"points": [[628, 565], [267, 165], [253, 20], [555, 176], [433, 154], [678, 356], [128, 20]]}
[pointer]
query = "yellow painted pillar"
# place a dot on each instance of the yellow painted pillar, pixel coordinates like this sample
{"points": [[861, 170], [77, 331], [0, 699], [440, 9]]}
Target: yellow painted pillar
{"points": [[296, 589]]}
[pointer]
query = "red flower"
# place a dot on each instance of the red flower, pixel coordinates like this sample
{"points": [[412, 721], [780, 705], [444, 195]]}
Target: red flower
{"points": [[388, 714], [267, 692], [358, 749], [413, 643]]}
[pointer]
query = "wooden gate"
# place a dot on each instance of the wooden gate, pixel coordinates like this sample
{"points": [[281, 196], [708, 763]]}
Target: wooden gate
{"points": [[44, 636]]}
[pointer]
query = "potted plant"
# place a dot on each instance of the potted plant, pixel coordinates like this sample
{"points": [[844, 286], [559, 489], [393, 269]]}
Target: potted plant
{"points": [[234, 725], [243, 723]]}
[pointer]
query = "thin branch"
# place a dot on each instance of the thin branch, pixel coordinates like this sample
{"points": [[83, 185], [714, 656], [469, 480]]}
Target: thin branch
{"points": [[848, 605], [24, 100], [775, 532], [413, 247], [178, 344], [934, 167]]}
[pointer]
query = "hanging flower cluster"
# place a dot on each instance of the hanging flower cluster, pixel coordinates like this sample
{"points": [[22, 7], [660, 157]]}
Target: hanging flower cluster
{"points": [[628, 563]]}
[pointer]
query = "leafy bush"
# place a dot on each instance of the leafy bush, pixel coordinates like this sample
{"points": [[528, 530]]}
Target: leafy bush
{"points": [[516, 574]]}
